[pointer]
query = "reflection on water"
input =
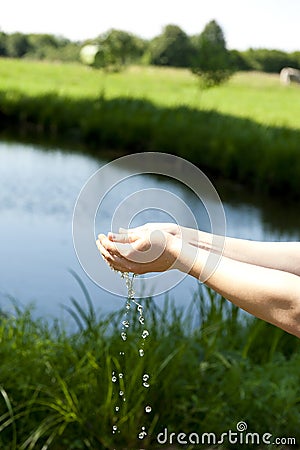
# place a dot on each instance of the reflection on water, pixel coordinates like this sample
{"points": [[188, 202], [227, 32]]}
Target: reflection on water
{"points": [[37, 196]]}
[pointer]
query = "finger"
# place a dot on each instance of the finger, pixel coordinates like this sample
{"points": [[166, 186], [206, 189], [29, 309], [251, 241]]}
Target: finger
{"points": [[113, 261], [123, 238], [105, 254], [109, 245]]}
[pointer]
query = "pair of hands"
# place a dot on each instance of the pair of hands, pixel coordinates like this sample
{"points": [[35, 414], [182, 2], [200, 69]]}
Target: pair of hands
{"points": [[153, 247]]}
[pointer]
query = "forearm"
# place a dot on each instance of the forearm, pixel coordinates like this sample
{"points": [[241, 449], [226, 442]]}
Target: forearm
{"points": [[283, 256], [269, 294]]}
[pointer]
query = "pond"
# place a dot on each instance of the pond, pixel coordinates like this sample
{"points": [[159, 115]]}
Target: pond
{"points": [[39, 188]]}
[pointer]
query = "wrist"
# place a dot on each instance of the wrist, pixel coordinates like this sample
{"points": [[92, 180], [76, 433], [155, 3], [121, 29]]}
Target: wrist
{"points": [[187, 258]]}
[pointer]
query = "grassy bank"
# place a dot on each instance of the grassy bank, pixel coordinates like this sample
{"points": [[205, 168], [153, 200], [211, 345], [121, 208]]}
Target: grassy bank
{"points": [[208, 370], [247, 130]]}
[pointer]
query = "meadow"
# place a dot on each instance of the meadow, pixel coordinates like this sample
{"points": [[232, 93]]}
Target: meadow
{"points": [[253, 95], [247, 130]]}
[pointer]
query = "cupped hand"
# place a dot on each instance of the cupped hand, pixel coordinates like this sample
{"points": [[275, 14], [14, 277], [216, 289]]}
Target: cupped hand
{"points": [[168, 227], [141, 250]]}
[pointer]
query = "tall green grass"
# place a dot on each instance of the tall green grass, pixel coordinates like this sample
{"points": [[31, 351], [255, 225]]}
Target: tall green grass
{"points": [[209, 368]]}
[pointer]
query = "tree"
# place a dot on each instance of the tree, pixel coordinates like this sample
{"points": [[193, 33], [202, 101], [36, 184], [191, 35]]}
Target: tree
{"points": [[171, 48], [119, 48], [47, 46], [268, 60], [17, 45], [3, 42], [212, 62], [238, 60]]}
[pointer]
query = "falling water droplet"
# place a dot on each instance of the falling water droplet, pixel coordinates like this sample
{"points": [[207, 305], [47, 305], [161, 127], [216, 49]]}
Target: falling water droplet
{"points": [[141, 352], [148, 409], [142, 434], [145, 380], [124, 336], [117, 408], [113, 378], [142, 320], [126, 323], [121, 393], [114, 428], [120, 375], [145, 334]]}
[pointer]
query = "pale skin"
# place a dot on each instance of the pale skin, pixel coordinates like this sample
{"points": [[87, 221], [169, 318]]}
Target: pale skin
{"points": [[262, 278]]}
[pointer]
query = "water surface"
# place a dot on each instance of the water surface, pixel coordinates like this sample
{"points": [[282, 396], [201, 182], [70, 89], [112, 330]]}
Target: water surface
{"points": [[38, 192]]}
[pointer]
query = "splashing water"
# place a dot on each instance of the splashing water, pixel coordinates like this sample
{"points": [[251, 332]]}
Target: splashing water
{"points": [[145, 334], [120, 377], [145, 380], [142, 434]]}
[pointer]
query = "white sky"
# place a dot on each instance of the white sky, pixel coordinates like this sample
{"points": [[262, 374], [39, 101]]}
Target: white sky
{"points": [[246, 23]]}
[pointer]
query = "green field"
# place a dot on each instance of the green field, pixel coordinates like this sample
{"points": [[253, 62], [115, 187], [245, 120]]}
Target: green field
{"points": [[247, 130], [254, 95]]}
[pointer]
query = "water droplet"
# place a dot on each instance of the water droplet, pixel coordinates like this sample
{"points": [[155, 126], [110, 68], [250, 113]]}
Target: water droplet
{"points": [[148, 409], [145, 334], [146, 385], [118, 407], [141, 352], [146, 377], [140, 309], [126, 323], [142, 320], [121, 393], [114, 428], [122, 353], [124, 399], [114, 379], [128, 306], [120, 375], [142, 434], [124, 336]]}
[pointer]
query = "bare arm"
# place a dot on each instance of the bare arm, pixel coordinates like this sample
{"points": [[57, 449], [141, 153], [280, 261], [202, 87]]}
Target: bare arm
{"points": [[283, 256], [268, 293]]}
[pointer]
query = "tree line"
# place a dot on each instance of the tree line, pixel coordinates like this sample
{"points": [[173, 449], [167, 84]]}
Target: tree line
{"points": [[173, 47]]}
